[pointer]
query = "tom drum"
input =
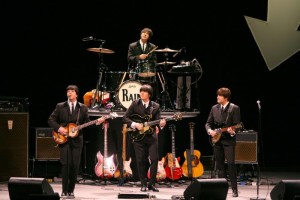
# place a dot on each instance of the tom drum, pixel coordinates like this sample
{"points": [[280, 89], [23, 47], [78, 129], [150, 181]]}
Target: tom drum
{"points": [[128, 91], [146, 68]]}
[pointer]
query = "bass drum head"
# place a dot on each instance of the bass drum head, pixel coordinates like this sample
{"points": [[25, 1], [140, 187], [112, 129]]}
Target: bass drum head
{"points": [[128, 91]]}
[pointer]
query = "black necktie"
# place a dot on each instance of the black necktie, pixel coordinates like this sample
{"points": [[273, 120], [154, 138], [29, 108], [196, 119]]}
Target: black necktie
{"points": [[145, 106], [222, 109], [72, 108]]}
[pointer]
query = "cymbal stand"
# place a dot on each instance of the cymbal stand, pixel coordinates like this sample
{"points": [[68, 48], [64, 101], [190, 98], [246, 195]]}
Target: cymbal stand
{"points": [[102, 68], [165, 94]]}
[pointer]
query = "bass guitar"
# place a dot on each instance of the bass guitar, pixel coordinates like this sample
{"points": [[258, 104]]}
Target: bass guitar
{"points": [[173, 169], [137, 135], [219, 131], [192, 167], [105, 167], [73, 129]]}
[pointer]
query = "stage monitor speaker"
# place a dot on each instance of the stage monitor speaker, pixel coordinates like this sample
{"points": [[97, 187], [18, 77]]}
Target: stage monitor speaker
{"points": [[45, 148], [14, 145], [246, 147], [202, 189], [286, 190], [21, 188]]}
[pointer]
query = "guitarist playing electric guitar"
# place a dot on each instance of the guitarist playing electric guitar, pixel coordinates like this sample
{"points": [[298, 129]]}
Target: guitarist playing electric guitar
{"points": [[224, 114], [70, 111], [148, 145]]}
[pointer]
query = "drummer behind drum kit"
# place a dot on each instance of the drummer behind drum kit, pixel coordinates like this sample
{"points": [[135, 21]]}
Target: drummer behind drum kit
{"points": [[118, 94]]}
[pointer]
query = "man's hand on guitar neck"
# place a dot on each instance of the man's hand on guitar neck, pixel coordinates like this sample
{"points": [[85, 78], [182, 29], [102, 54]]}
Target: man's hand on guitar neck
{"points": [[100, 120]]}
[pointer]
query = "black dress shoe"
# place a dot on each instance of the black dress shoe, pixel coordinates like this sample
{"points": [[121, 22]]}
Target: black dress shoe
{"points": [[71, 195], [153, 188], [143, 188], [64, 195], [235, 193]]}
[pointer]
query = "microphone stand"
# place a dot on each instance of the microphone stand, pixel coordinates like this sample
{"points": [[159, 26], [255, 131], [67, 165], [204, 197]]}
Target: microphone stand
{"points": [[258, 144]]}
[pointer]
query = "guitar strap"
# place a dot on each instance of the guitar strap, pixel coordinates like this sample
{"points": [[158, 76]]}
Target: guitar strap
{"points": [[77, 121], [229, 111]]}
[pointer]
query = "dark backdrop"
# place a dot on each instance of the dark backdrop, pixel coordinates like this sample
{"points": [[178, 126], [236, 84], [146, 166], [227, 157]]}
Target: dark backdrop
{"points": [[42, 52]]}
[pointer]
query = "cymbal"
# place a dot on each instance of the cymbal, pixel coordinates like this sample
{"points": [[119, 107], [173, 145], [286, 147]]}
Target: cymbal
{"points": [[100, 50], [166, 50], [166, 63]]}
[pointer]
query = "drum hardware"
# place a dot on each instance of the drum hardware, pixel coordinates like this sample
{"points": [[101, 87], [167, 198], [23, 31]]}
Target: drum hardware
{"points": [[165, 96], [102, 68]]}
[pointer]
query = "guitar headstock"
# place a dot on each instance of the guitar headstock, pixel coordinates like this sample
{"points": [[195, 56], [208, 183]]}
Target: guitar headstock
{"points": [[113, 115], [172, 127], [192, 125], [177, 116]]}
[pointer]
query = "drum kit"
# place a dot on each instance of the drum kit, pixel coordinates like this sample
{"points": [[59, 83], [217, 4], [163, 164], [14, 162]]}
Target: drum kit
{"points": [[122, 93]]}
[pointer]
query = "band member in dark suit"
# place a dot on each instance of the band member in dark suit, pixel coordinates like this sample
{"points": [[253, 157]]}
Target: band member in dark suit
{"points": [[142, 59], [224, 114], [148, 145], [70, 111]]}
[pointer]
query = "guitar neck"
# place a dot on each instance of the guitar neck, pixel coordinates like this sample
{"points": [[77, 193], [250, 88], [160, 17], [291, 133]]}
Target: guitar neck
{"points": [[155, 122], [86, 124]]}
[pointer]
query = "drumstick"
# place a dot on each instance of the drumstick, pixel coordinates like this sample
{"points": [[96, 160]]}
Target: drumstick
{"points": [[152, 50]]}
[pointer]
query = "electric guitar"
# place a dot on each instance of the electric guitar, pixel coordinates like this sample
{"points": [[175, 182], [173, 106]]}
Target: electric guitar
{"points": [[161, 172], [73, 129], [192, 167], [127, 172], [173, 169], [137, 135], [105, 167], [219, 131]]}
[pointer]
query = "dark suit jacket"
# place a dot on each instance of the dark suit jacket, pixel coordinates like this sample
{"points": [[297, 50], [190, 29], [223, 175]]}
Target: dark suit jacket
{"points": [[61, 116], [137, 107], [217, 119], [135, 50]]}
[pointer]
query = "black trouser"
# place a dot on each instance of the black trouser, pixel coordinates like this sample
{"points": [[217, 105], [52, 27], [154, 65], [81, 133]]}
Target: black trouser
{"points": [[228, 152], [70, 157], [148, 146]]}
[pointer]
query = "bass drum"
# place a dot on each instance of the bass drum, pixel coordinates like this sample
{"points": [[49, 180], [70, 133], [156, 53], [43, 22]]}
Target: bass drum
{"points": [[128, 91]]}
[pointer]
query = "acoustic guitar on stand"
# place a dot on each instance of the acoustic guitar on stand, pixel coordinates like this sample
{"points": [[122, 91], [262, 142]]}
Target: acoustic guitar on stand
{"points": [[192, 167], [173, 169], [73, 129]]}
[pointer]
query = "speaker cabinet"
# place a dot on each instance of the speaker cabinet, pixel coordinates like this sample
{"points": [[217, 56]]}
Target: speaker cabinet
{"points": [[246, 147], [286, 190], [14, 145], [46, 148], [21, 188], [207, 189]]}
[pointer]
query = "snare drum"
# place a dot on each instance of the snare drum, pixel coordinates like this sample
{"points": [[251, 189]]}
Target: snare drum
{"points": [[112, 80], [128, 91], [146, 68]]}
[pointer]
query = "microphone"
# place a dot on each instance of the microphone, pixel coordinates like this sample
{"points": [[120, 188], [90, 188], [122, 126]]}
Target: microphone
{"points": [[258, 104], [87, 39]]}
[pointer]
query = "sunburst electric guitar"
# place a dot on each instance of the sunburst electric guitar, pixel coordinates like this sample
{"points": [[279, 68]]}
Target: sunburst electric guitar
{"points": [[219, 131], [173, 169], [73, 129], [192, 167]]}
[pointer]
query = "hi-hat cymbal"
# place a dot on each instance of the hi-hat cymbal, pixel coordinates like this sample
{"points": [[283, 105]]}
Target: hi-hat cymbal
{"points": [[166, 50], [166, 63], [100, 50]]}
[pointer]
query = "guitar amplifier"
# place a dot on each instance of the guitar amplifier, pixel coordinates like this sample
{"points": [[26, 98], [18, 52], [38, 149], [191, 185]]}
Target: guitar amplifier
{"points": [[246, 147], [46, 147]]}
